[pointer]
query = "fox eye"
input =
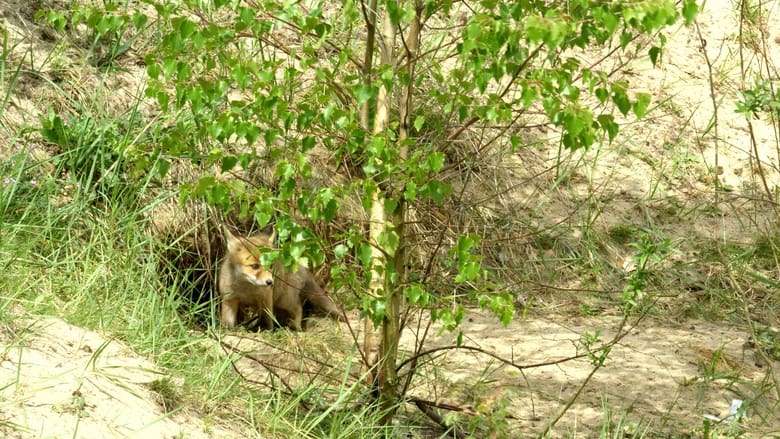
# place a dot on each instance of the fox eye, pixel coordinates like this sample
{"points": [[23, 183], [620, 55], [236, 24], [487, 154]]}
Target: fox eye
{"points": [[255, 266]]}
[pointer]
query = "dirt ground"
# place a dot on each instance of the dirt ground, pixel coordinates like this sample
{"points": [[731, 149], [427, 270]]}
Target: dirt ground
{"points": [[62, 381], [662, 376], [655, 373]]}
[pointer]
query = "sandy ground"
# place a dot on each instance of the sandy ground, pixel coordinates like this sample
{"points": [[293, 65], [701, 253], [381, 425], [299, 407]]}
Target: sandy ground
{"points": [[661, 376], [61, 381], [655, 373]]}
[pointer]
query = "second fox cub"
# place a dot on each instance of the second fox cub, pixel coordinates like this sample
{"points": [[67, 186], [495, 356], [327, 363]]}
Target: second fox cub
{"points": [[276, 293]]}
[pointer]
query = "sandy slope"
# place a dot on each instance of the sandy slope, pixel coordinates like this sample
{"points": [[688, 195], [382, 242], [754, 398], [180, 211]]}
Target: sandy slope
{"points": [[61, 381]]}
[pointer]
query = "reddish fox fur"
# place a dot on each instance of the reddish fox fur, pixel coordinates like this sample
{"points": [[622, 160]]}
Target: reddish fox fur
{"points": [[276, 293]]}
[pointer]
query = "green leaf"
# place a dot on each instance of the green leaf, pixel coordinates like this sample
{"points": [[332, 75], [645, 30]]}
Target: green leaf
{"points": [[363, 93], [467, 271], [340, 251], [449, 318], [229, 162], [183, 72], [378, 307], [434, 161], [625, 38], [308, 143], [139, 20], [689, 11], [163, 99], [464, 245], [469, 267], [416, 295], [436, 191], [602, 94], [576, 120], [418, 122], [240, 76], [654, 53], [184, 26], [329, 210], [410, 192], [364, 255], [57, 20], [620, 98], [388, 241], [264, 210], [641, 104], [529, 96], [390, 205], [163, 166], [515, 142], [609, 20], [608, 124], [502, 307], [168, 67], [218, 195], [471, 34], [535, 29], [245, 19]]}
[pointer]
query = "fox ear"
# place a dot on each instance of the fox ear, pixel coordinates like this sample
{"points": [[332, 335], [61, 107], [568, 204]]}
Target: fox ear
{"points": [[270, 233], [230, 239]]}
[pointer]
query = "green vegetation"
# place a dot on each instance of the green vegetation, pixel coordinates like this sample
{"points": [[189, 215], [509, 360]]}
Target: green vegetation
{"points": [[393, 144]]}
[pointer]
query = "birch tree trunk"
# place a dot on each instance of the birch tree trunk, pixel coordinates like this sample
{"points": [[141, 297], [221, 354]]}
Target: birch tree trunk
{"points": [[380, 367], [380, 345]]}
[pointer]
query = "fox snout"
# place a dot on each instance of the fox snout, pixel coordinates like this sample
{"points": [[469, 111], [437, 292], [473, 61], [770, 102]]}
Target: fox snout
{"points": [[262, 280]]}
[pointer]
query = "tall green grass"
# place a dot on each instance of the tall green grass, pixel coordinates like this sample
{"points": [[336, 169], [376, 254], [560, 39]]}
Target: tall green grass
{"points": [[75, 243], [97, 267], [69, 250]]}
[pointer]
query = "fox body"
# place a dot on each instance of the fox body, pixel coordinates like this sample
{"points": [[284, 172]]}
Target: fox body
{"points": [[276, 293]]}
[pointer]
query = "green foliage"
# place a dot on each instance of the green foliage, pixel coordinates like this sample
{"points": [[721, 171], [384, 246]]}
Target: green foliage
{"points": [[762, 98], [651, 249], [523, 41], [241, 99], [592, 344], [768, 340], [493, 36], [21, 188], [91, 150], [237, 98], [470, 271], [112, 29], [469, 268]]}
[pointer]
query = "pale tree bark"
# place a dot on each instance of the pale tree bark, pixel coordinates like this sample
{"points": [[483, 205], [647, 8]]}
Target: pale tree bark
{"points": [[376, 363], [370, 337], [381, 285], [391, 329], [380, 345]]}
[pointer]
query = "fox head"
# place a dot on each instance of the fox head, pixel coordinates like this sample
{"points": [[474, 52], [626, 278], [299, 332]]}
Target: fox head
{"points": [[244, 256]]}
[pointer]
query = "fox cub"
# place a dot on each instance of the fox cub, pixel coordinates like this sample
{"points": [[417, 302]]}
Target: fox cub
{"points": [[276, 293]]}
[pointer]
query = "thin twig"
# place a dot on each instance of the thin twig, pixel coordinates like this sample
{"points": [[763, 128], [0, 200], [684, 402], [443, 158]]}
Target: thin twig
{"points": [[427, 409], [618, 337]]}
